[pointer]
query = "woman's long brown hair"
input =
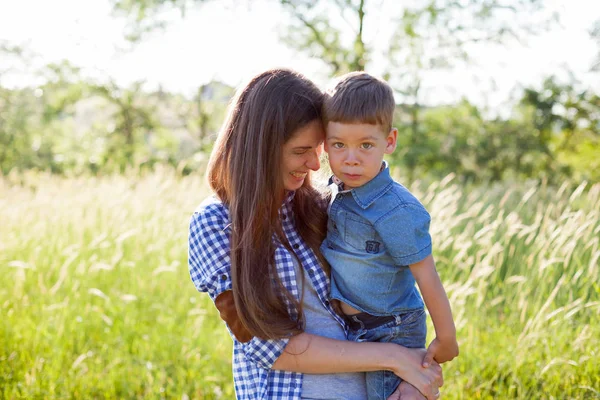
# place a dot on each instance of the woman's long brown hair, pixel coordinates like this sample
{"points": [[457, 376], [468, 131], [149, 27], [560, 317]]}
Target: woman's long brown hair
{"points": [[244, 171]]}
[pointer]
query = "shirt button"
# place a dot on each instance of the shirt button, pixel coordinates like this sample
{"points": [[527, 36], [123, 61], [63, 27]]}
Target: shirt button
{"points": [[284, 217], [296, 246], [311, 272], [224, 277]]}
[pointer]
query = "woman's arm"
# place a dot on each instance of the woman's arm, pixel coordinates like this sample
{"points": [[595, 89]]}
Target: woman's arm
{"points": [[319, 355], [210, 271]]}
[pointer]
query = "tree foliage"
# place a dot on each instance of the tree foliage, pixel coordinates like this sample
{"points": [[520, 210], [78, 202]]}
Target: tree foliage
{"points": [[314, 31], [146, 16], [69, 124], [566, 122]]}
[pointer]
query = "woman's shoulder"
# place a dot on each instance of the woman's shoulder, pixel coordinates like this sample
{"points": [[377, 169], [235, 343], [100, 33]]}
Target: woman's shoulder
{"points": [[212, 208], [210, 219]]}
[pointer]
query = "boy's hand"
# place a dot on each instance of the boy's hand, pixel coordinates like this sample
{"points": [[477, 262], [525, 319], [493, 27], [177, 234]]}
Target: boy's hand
{"points": [[440, 351]]}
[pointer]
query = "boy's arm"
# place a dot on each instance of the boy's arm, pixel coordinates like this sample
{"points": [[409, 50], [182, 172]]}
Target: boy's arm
{"points": [[444, 347]]}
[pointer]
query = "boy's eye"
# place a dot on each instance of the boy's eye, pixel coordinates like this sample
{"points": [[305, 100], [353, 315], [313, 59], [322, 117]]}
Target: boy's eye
{"points": [[366, 145], [337, 145]]}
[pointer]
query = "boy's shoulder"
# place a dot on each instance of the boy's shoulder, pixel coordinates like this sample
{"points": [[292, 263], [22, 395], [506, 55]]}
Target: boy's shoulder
{"points": [[398, 199], [402, 194]]}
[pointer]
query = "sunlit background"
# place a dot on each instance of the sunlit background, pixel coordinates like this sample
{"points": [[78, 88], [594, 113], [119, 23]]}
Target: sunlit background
{"points": [[80, 68], [109, 109]]}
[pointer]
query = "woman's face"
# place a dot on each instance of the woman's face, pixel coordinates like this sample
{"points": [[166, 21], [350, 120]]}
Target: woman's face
{"points": [[300, 154]]}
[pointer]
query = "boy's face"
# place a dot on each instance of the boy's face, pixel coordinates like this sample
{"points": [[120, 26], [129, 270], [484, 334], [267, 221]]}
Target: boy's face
{"points": [[356, 151]]}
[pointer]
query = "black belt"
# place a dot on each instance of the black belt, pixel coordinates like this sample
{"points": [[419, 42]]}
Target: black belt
{"points": [[367, 321]]}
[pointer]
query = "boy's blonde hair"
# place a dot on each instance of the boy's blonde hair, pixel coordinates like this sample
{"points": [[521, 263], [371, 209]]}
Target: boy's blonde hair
{"points": [[359, 98]]}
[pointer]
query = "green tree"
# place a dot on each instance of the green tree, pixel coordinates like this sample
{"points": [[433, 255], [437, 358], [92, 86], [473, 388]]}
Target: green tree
{"points": [[444, 142], [21, 125], [506, 148], [17, 149], [313, 31], [210, 107], [430, 35], [134, 124], [63, 87], [566, 121], [147, 16]]}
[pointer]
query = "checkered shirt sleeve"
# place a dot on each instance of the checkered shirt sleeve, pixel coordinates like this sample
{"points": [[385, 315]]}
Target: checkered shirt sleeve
{"points": [[208, 251], [210, 270]]}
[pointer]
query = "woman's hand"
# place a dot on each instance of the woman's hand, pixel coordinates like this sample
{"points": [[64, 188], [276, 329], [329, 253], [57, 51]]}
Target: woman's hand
{"points": [[406, 391], [409, 367], [308, 353]]}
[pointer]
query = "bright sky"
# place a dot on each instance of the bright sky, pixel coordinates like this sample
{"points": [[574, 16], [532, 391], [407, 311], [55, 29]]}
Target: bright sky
{"points": [[231, 41]]}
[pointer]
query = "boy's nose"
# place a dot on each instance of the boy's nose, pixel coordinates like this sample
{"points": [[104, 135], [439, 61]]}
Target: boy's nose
{"points": [[351, 159]]}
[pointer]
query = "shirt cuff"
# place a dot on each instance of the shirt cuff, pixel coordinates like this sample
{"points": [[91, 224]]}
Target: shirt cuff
{"points": [[263, 352], [414, 258]]}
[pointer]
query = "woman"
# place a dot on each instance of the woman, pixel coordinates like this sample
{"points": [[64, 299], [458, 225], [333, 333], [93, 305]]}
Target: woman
{"points": [[254, 247]]}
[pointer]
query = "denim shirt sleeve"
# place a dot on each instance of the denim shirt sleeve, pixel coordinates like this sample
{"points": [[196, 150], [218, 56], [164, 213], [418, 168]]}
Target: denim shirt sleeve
{"points": [[210, 269], [405, 233]]}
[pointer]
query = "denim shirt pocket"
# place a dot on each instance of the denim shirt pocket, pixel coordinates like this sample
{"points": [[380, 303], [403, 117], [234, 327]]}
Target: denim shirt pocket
{"points": [[361, 235]]}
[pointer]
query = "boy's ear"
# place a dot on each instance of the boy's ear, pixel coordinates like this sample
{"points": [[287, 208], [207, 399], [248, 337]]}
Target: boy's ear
{"points": [[391, 139]]}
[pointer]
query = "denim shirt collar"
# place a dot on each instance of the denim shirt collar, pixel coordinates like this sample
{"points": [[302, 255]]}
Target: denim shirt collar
{"points": [[366, 194]]}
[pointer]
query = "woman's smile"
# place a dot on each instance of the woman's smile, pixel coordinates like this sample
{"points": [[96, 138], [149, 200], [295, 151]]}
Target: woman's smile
{"points": [[299, 175]]}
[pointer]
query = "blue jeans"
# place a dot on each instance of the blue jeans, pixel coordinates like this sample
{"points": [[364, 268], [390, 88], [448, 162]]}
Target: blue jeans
{"points": [[408, 329]]}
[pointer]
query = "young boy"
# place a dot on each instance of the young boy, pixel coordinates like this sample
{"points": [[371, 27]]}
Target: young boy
{"points": [[378, 239]]}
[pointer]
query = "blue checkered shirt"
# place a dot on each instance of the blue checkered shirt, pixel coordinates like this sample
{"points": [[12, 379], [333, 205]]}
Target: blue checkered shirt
{"points": [[210, 267]]}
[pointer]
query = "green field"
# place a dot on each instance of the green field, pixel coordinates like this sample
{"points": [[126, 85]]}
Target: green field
{"points": [[96, 300]]}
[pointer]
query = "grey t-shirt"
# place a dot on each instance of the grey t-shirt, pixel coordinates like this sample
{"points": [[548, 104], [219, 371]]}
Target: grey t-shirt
{"points": [[349, 386]]}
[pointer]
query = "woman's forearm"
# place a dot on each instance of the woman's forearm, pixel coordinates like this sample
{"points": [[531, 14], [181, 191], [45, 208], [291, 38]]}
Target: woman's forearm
{"points": [[320, 355], [314, 354]]}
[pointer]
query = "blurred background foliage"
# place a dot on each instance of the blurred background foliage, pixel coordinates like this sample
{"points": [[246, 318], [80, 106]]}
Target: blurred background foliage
{"points": [[96, 301], [73, 125]]}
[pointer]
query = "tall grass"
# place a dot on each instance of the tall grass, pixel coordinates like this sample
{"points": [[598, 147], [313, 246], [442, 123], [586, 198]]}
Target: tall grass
{"points": [[96, 300]]}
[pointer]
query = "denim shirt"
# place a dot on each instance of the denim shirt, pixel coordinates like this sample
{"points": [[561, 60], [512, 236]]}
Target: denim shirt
{"points": [[374, 233]]}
